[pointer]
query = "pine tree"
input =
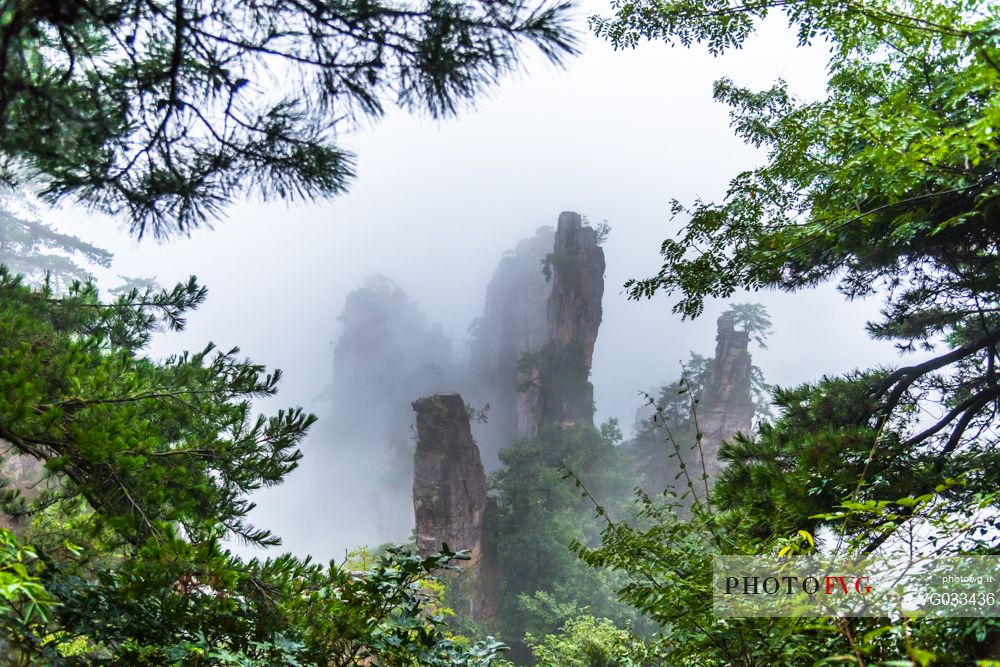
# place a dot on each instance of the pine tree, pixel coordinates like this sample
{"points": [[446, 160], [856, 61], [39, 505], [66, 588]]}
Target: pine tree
{"points": [[148, 469], [31, 248], [163, 112]]}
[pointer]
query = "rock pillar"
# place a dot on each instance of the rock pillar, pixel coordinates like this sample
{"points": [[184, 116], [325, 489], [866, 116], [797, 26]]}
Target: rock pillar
{"points": [[727, 402], [574, 315], [449, 495]]}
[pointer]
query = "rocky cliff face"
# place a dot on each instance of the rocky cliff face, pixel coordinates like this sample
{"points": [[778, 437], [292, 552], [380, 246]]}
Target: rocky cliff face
{"points": [[543, 306], [449, 495], [530, 363], [514, 322], [727, 402], [386, 354], [574, 315]]}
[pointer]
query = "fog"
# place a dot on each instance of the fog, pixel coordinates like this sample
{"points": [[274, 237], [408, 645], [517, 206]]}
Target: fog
{"points": [[614, 136]]}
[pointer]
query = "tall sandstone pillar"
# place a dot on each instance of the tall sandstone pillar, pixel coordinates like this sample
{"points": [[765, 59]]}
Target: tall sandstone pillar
{"points": [[727, 402], [449, 496], [574, 313], [514, 322], [544, 301]]}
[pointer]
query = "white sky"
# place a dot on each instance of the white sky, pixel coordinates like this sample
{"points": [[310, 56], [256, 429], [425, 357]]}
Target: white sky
{"points": [[614, 135]]}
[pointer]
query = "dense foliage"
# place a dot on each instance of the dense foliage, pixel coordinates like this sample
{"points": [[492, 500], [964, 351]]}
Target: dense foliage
{"points": [[666, 553], [888, 185], [542, 514], [586, 641], [145, 471]]}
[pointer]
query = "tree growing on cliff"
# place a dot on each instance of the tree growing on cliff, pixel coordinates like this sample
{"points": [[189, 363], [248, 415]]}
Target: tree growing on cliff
{"points": [[753, 319], [164, 111], [665, 444]]}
